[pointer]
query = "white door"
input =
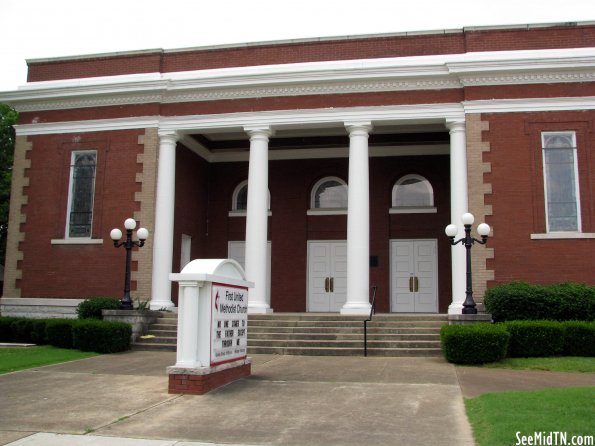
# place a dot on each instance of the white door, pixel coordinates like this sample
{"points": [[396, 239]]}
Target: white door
{"points": [[237, 252], [327, 276], [414, 276]]}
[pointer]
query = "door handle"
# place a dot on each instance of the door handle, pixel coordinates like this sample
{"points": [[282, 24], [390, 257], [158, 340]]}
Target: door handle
{"points": [[332, 284], [416, 284], [327, 282], [411, 284]]}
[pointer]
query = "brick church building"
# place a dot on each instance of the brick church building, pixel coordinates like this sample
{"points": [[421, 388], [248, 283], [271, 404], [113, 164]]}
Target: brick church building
{"points": [[324, 166]]}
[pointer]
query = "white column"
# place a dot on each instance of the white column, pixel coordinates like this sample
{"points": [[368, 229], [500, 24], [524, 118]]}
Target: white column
{"points": [[358, 221], [163, 238], [257, 219], [458, 206]]}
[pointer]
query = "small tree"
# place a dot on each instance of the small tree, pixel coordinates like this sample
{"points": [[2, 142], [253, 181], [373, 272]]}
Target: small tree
{"points": [[8, 117]]}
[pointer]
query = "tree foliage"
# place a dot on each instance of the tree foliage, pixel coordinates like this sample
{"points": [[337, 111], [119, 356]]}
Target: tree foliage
{"points": [[8, 117]]}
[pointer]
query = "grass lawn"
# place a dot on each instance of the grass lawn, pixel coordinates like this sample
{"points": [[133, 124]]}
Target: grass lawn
{"points": [[552, 364], [13, 358], [497, 417]]}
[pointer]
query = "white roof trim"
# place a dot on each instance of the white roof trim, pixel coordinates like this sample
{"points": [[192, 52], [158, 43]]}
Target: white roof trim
{"points": [[333, 77]]}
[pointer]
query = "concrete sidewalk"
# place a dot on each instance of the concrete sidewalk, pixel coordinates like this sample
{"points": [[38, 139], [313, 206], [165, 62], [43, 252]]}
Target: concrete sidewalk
{"points": [[122, 400]]}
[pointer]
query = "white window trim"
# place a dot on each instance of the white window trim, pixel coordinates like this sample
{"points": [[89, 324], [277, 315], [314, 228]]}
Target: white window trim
{"points": [[325, 211], [77, 241], [412, 209], [576, 185], [563, 235], [235, 212], [84, 240]]}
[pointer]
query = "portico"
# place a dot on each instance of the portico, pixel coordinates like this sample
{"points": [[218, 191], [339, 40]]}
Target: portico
{"points": [[339, 135]]}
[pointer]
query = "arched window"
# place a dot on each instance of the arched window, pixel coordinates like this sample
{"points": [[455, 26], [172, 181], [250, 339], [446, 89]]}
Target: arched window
{"points": [[239, 200], [329, 193], [240, 197], [412, 194]]}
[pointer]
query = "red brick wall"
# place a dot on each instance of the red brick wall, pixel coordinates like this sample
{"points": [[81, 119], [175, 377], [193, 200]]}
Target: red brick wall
{"points": [[518, 199], [94, 67], [192, 176], [79, 270], [365, 48]]}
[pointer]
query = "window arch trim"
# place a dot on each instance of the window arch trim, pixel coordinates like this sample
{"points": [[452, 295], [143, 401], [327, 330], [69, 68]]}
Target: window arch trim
{"points": [[317, 210], [415, 209], [235, 211]]}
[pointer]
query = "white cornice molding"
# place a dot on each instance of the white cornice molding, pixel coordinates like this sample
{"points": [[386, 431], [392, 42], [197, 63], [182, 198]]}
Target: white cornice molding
{"points": [[277, 119], [529, 105], [312, 78], [284, 119]]}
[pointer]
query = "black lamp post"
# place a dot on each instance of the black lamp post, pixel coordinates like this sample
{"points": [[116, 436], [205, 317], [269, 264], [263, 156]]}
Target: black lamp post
{"points": [[469, 306], [116, 235]]}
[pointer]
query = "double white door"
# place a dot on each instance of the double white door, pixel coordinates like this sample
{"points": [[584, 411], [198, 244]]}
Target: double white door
{"points": [[327, 276], [414, 276]]}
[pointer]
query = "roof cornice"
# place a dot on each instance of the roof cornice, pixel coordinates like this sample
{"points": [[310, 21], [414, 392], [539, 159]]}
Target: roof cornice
{"points": [[312, 78]]}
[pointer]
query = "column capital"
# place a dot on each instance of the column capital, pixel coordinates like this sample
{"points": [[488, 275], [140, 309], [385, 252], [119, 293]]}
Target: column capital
{"points": [[168, 135], [259, 131], [456, 126], [358, 127]]}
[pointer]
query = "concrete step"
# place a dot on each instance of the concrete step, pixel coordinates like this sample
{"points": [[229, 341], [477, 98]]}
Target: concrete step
{"points": [[306, 343], [342, 336], [345, 330], [319, 351], [323, 334]]}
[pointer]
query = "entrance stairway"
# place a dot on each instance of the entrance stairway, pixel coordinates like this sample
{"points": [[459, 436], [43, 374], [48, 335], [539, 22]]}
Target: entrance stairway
{"points": [[317, 334]]}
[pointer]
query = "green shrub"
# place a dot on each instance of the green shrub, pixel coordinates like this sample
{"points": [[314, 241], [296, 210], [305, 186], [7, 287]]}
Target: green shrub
{"points": [[91, 308], [579, 338], [474, 344], [6, 334], [534, 338], [38, 331], [522, 301], [21, 330], [102, 336], [59, 332]]}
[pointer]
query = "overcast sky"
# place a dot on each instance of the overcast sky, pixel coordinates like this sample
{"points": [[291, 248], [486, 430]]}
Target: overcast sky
{"points": [[42, 28]]}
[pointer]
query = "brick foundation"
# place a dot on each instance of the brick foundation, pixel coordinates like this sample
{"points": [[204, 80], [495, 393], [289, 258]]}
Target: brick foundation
{"points": [[198, 381]]}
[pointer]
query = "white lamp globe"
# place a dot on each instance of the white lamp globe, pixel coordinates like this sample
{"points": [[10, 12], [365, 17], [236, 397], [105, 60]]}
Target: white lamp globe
{"points": [[130, 223], [483, 229], [116, 234], [467, 219], [451, 230], [142, 234]]}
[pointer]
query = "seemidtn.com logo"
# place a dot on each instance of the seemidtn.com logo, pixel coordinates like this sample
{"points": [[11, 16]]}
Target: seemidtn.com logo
{"points": [[553, 439]]}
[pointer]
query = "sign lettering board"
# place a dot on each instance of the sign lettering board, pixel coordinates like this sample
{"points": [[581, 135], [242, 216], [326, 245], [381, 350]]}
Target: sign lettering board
{"points": [[229, 323]]}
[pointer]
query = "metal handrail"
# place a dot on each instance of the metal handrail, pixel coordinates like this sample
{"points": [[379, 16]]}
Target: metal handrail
{"points": [[372, 312]]}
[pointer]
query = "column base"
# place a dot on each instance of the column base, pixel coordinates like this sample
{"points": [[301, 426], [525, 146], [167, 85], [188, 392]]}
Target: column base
{"points": [[357, 309], [259, 310], [455, 308], [159, 304]]}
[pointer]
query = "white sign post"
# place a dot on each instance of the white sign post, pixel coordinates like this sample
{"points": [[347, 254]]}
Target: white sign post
{"points": [[212, 326]]}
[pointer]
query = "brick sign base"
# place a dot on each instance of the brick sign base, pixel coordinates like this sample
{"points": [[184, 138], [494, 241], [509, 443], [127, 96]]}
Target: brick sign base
{"points": [[198, 381]]}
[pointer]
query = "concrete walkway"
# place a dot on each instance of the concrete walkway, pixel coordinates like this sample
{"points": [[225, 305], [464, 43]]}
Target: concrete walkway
{"points": [[122, 400]]}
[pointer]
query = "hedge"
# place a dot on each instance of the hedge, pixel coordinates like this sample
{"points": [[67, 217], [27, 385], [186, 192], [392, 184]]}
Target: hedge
{"points": [[6, 334], [523, 301], [91, 308], [59, 332], [474, 344], [535, 338], [579, 338], [102, 336], [21, 330]]}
